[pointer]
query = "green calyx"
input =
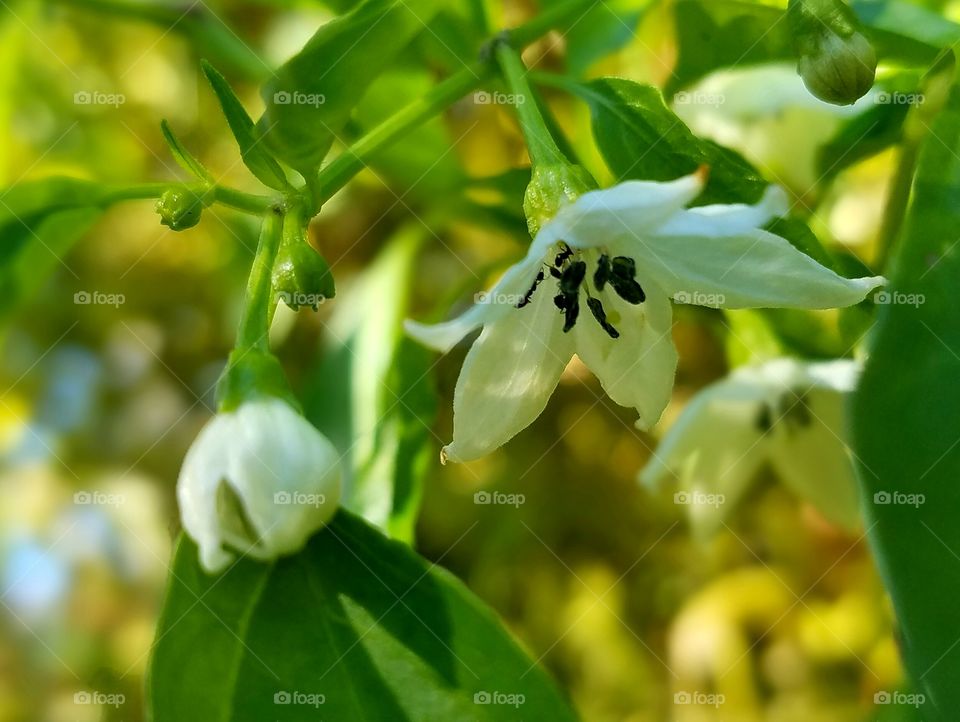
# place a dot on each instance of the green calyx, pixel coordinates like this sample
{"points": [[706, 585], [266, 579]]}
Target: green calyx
{"points": [[252, 373], [551, 187], [180, 208], [836, 61], [301, 276]]}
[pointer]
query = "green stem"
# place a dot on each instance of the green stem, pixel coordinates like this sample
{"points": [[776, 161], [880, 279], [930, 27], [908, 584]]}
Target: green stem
{"points": [[542, 147], [247, 202], [254, 327], [345, 166]]}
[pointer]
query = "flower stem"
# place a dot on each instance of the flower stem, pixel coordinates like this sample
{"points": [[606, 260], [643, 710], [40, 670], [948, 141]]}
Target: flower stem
{"points": [[229, 197], [542, 147], [339, 172], [254, 325]]}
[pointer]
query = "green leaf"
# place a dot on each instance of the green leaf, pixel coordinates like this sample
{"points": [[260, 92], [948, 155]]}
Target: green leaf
{"points": [[640, 138], [906, 425], [357, 618], [39, 223], [184, 157], [372, 393], [312, 95], [254, 152]]}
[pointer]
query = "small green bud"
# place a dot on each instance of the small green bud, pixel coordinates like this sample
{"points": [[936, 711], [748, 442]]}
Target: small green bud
{"points": [[837, 63], [179, 209], [550, 188], [301, 276]]}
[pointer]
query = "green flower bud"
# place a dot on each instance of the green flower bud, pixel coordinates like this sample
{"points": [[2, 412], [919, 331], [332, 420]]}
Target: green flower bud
{"points": [[550, 188], [301, 276], [837, 63], [179, 209]]}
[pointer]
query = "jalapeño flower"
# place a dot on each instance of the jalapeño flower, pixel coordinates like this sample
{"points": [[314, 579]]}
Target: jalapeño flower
{"points": [[597, 282], [784, 413], [258, 480]]}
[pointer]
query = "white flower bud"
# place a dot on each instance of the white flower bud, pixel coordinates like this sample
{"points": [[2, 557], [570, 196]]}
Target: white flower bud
{"points": [[258, 480]]}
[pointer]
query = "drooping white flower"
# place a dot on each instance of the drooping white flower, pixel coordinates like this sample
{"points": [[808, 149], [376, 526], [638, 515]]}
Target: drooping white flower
{"points": [[785, 413], [597, 281], [258, 480]]}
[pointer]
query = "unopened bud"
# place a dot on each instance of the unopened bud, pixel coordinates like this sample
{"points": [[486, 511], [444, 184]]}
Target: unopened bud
{"points": [[179, 209]]}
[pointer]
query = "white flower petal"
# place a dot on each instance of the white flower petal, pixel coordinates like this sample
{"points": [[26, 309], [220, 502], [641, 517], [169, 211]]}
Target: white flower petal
{"points": [[727, 219], [283, 453], [814, 460], [637, 369], [600, 217], [712, 453], [495, 304], [508, 377], [755, 269], [261, 449]]}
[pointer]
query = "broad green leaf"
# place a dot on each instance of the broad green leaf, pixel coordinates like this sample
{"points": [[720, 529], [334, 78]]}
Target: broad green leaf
{"points": [[906, 425], [312, 95], [640, 137], [372, 392], [361, 623], [253, 150], [39, 223], [184, 157]]}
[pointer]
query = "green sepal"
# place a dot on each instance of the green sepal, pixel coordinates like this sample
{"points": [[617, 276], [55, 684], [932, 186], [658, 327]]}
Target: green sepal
{"points": [[551, 187], [249, 374]]}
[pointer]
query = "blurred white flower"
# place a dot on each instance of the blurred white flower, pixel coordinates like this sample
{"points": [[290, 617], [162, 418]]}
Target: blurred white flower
{"points": [[767, 114], [627, 250], [258, 480], [785, 413]]}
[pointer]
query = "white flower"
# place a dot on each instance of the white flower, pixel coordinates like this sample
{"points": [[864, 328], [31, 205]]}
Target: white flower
{"points": [[625, 251], [258, 480], [784, 413]]}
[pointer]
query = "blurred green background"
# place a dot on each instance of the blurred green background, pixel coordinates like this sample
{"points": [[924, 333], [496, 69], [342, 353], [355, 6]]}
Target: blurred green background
{"points": [[781, 613]]}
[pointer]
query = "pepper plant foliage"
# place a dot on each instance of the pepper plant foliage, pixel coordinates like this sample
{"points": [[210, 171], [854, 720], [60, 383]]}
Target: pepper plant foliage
{"points": [[275, 611]]}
